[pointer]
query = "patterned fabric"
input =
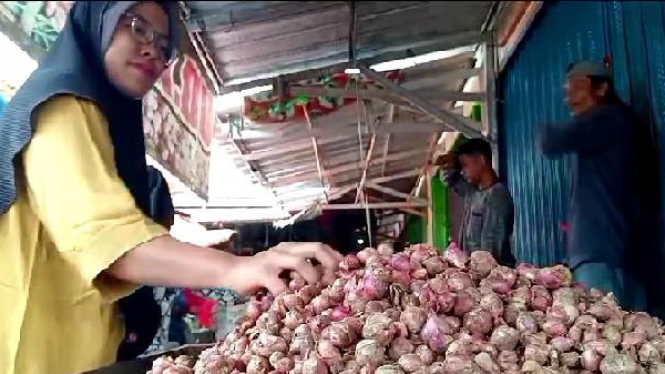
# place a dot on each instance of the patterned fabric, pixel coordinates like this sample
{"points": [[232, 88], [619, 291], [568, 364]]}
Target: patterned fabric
{"points": [[165, 297]]}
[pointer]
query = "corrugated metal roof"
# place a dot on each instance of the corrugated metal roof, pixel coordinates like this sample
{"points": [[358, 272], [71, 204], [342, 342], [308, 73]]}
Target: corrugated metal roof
{"points": [[260, 39], [253, 42], [289, 166]]}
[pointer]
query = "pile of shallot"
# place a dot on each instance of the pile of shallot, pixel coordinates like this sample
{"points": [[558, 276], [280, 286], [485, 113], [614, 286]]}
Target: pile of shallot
{"points": [[419, 312]]}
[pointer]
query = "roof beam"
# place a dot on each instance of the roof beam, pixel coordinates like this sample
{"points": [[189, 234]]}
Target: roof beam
{"points": [[394, 193], [346, 168], [294, 146], [319, 164], [454, 121], [372, 206], [384, 95], [387, 144]]}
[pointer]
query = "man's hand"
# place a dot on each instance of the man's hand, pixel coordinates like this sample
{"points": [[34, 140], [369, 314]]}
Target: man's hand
{"points": [[265, 270], [447, 161]]}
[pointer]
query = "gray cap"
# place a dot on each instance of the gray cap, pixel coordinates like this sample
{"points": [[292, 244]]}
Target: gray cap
{"points": [[590, 68]]}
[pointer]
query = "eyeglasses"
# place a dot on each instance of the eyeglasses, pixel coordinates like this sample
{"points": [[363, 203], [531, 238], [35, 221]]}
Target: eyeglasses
{"points": [[145, 33]]}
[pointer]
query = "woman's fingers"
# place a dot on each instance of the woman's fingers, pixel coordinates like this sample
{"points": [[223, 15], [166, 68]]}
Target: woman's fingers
{"points": [[289, 261], [275, 284], [325, 255]]}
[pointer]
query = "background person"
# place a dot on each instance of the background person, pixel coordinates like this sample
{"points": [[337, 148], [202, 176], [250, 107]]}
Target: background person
{"points": [[489, 212], [605, 203]]}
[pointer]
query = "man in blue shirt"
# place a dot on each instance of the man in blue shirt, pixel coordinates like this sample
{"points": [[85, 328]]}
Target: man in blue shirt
{"points": [[605, 205]]}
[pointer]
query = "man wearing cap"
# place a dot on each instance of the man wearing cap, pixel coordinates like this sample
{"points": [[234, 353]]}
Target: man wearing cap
{"points": [[604, 202]]}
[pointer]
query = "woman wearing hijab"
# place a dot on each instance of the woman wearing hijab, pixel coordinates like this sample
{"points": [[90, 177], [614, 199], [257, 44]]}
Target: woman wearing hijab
{"points": [[74, 198]]}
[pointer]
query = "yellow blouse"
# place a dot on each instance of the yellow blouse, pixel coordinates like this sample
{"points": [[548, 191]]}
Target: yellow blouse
{"points": [[73, 217]]}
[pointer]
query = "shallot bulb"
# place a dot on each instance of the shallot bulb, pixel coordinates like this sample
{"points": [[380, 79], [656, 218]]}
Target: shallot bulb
{"points": [[399, 347], [313, 365], [554, 277], [481, 263], [258, 365], [505, 338], [436, 333], [455, 256], [414, 318], [401, 262], [369, 352], [478, 321], [410, 362], [389, 369]]}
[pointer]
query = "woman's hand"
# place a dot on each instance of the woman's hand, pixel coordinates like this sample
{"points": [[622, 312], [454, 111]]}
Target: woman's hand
{"points": [[265, 270]]}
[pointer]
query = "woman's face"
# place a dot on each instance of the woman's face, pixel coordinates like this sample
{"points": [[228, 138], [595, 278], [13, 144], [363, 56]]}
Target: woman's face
{"points": [[136, 56]]}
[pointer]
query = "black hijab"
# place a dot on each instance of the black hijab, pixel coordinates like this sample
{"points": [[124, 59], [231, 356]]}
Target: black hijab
{"points": [[74, 65]]}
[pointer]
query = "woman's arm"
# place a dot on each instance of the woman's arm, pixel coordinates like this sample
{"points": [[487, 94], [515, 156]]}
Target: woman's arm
{"points": [[88, 213]]}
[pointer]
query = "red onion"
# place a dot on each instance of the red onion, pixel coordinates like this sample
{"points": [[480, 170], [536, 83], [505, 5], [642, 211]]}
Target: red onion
{"points": [[426, 355], [618, 364], [414, 318], [258, 365], [478, 321], [314, 365], [340, 334], [554, 277], [354, 323], [649, 354], [365, 254], [590, 360], [369, 352], [458, 364], [434, 265], [399, 347], [562, 344], [436, 333], [554, 328], [376, 306], [570, 359], [456, 256], [420, 274], [385, 249], [464, 303], [389, 369], [410, 362], [328, 352], [373, 286], [293, 319], [538, 353], [401, 262], [505, 338], [350, 262], [459, 281], [340, 312], [445, 302], [481, 263], [492, 303], [540, 298], [487, 363], [401, 277], [633, 339]]}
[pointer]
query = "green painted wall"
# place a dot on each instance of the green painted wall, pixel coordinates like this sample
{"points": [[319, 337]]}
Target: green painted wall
{"points": [[416, 229], [440, 214]]}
